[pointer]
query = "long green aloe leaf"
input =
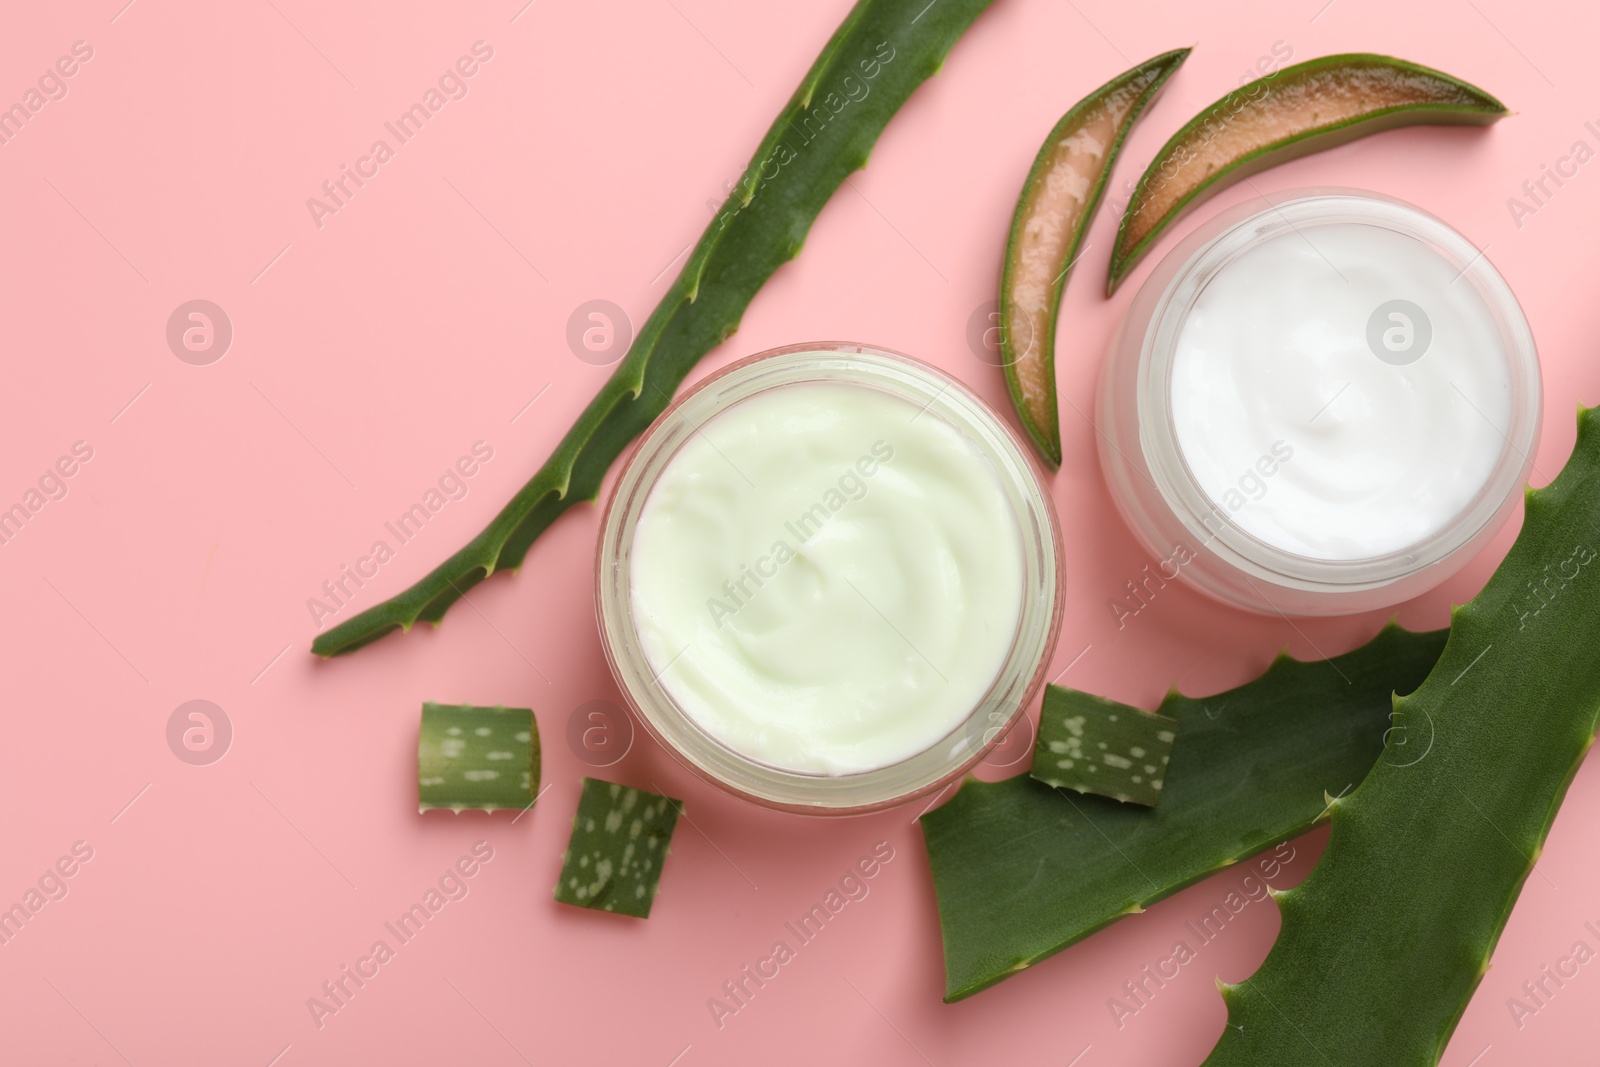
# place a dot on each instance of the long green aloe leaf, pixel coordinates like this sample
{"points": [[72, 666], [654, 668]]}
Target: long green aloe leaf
{"points": [[1059, 199], [1385, 941], [1287, 114], [883, 50], [1021, 870]]}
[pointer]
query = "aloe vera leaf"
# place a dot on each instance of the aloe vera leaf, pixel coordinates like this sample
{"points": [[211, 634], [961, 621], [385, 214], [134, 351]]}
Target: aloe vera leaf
{"points": [[1291, 113], [1021, 870], [620, 837], [1383, 944], [1059, 198], [882, 51], [1094, 745], [484, 758]]}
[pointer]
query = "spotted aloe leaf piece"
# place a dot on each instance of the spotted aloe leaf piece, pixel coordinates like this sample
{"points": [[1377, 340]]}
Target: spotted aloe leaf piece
{"points": [[1022, 870], [1095, 745], [1385, 941], [871, 65], [483, 758], [620, 838]]}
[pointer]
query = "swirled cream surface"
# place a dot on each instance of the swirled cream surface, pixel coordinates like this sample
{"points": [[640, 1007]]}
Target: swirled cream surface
{"points": [[1340, 392], [826, 578]]}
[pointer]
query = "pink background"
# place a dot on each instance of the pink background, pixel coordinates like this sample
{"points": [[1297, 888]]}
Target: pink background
{"points": [[425, 315]]}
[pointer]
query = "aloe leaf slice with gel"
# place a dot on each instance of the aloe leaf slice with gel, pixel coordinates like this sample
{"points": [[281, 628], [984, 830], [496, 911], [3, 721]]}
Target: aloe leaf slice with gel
{"points": [[1058, 201], [1022, 870], [1287, 114], [877, 57], [1384, 942]]}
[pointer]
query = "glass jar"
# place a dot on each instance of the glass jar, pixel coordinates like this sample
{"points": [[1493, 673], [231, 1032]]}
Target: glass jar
{"points": [[1184, 525], [1020, 673]]}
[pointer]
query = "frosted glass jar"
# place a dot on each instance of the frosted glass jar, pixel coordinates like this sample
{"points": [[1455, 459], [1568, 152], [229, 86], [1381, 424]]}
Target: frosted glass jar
{"points": [[652, 676], [1318, 403]]}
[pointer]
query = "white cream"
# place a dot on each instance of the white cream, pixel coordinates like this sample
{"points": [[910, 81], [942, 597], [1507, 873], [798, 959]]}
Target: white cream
{"points": [[1298, 431], [827, 579]]}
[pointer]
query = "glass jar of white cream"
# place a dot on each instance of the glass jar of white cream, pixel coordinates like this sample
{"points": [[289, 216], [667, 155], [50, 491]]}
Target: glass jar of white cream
{"points": [[1320, 402], [829, 578]]}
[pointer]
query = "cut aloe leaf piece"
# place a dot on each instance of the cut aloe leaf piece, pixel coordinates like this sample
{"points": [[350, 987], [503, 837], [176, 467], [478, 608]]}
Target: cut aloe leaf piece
{"points": [[1094, 745], [1296, 111], [619, 840], [483, 758], [876, 58], [1022, 870], [1384, 942], [1059, 199]]}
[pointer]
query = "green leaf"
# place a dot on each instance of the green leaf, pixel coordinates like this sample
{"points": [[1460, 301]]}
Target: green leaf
{"points": [[620, 838], [885, 48], [1093, 745], [1021, 870], [1058, 201], [476, 757], [1290, 113], [1385, 941]]}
